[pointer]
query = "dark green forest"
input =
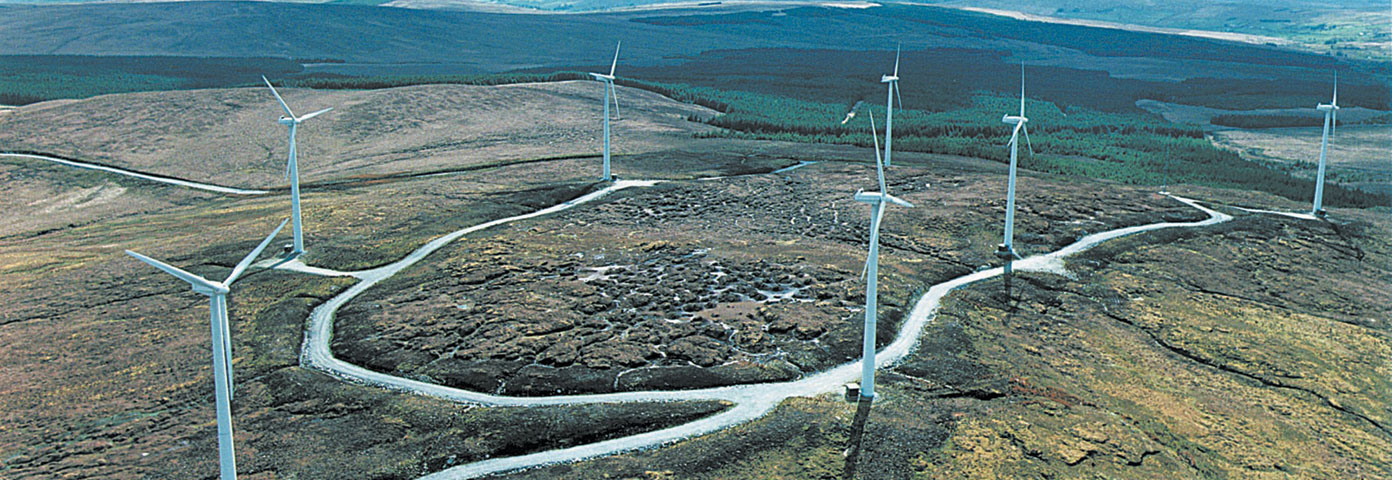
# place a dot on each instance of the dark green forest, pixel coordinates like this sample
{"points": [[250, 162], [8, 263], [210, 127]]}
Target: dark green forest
{"points": [[1083, 123], [1129, 148], [26, 79], [1134, 148]]}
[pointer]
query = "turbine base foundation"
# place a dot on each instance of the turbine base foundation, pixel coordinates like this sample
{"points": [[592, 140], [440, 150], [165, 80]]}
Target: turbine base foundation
{"points": [[1005, 252]]}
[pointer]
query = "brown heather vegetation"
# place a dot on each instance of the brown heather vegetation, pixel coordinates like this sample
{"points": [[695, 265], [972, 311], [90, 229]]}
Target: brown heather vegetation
{"points": [[1253, 349]]}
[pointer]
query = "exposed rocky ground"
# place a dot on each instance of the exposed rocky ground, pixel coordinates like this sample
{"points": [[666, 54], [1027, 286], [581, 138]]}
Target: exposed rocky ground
{"points": [[694, 284], [664, 318], [106, 365], [1254, 349], [1257, 348]]}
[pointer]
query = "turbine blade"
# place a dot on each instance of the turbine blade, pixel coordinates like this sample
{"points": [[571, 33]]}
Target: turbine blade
{"points": [[246, 261], [1027, 140], [897, 96], [288, 113], [1014, 136], [287, 170], [1022, 88], [1336, 89], [173, 270], [615, 95], [1335, 103], [312, 115], [874, 237], [614, 65], [896, 58], [874, 134], [879, 163]]}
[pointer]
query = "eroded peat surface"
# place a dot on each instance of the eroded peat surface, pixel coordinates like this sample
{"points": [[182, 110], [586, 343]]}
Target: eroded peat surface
{"points": [[743, 279], [1253, 348], [107, 370], [699, 283]]}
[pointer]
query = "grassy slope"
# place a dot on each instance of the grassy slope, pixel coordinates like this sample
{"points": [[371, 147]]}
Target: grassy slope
{"points": [[229, 136]]}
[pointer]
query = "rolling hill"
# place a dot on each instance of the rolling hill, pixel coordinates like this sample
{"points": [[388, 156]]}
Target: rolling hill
{"points": [[231, 137]]}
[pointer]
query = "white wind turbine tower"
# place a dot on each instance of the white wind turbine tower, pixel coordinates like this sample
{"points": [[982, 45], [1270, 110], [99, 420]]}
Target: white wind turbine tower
{"points": [[1006, 250], [893, 81], [877, 201], [292, 167], [1331, 119], [222, 343], [609, 93]]}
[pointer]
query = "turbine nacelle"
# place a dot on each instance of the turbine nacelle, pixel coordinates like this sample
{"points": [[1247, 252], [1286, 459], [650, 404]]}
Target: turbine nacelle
{"points": [[1325, 107], [289, 118], [879, 197], [1014, 119], [212, 288], [888, 78], [602, 77]]}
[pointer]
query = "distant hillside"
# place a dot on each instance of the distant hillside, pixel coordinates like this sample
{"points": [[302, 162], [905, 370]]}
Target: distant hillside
{"points": [[362, 40], [497, 42], [230, 136], [1353, 28]]}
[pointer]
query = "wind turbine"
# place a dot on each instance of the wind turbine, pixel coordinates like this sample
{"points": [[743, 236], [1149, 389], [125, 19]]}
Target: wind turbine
{"points": [[292, 167], [222, 343], [1006, 250], [1331, 119], [877, 201], [609, 93], [893, 81]]}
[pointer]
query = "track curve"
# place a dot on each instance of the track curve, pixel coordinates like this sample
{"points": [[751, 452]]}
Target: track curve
{"points": [[750, 401]]}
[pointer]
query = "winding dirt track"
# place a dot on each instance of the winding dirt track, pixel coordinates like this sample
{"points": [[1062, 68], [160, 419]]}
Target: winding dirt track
{"points": [[143, 176], [751, 401]]}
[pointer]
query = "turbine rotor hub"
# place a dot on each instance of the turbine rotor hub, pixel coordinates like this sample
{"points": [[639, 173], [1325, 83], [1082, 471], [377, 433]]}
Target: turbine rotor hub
{"points": [[217, 289]]}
